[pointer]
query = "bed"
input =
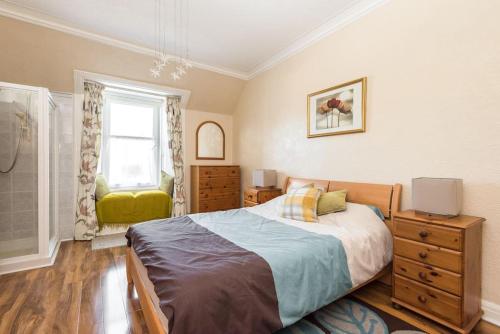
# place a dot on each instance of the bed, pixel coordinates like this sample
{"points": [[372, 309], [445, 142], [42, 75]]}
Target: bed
{"points": [[249, 270]]}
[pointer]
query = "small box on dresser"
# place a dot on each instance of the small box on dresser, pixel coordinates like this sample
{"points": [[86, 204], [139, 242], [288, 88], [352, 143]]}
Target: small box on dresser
{"points": [[215, 188], [255, 195], [437, 268]]}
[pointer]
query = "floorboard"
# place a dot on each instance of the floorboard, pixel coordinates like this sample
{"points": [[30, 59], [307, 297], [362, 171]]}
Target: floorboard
{"points": [[86, 292]]}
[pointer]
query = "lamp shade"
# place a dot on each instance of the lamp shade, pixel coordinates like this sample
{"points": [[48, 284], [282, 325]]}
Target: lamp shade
{"points": [[264, 178], [440, 196]]}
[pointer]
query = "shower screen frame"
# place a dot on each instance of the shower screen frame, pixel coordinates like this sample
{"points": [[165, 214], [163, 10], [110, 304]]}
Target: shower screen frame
{"points": [[47, 247]]}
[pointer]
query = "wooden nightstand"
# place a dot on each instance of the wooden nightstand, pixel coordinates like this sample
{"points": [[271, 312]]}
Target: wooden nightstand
{"points": [[437, 268], [255, 196]]}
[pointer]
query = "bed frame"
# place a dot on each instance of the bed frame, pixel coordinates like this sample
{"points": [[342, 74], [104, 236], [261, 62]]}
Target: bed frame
{"points": [[385, 197]]}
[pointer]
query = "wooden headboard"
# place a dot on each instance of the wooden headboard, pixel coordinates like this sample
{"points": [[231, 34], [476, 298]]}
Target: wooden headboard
{"points": [[384, 196]]}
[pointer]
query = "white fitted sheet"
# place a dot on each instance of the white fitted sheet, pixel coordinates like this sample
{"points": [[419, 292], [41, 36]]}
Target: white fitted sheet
{"points": [[366, 239]]}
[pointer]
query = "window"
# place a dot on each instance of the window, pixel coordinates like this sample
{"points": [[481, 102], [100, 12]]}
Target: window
{"points": [[131, 151]]}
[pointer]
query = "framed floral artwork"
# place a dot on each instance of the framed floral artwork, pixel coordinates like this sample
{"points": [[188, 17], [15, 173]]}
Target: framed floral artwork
{"points": [[337, 110]]}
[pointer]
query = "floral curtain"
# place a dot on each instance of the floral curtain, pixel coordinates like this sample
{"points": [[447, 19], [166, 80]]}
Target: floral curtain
{"points": [[86, 219], [174, 127]]}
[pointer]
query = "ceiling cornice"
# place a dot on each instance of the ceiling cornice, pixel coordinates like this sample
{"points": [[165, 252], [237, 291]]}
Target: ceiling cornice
{"points": [[350, 15], [34, 17]]}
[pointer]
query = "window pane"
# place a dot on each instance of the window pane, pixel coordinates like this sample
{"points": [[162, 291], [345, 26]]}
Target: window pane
{"points": [[132, 162], [131, 120]]}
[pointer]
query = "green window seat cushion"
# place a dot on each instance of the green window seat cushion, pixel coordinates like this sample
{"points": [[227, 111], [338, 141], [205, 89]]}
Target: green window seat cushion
{"points": [[122, 208]]}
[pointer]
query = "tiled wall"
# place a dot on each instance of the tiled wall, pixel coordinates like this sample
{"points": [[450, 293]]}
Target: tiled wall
{"points": [[18, 189]]}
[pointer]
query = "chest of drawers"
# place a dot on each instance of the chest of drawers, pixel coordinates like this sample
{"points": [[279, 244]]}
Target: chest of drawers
{"points": [[215, 188], [437, 268]]}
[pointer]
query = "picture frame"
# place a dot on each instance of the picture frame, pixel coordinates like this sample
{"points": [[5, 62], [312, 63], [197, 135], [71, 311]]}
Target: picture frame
{"points": [[337, 110]]}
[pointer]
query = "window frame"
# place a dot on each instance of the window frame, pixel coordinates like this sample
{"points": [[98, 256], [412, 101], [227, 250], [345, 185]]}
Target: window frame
{"points": [[136, 99]]}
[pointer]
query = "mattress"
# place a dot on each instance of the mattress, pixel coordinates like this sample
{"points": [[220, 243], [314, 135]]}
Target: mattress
{"points": [[319, 263]]}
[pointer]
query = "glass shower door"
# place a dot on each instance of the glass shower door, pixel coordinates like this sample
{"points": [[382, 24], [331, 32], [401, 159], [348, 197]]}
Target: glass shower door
{"points": [[18, 172], [53, 150]]}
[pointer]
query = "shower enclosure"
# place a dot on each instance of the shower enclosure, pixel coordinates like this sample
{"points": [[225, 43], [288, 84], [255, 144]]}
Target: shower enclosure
{"points": [[29, 235]]}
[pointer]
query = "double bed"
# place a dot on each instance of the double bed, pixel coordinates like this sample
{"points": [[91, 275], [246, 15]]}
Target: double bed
{"points": [[250, 270]]}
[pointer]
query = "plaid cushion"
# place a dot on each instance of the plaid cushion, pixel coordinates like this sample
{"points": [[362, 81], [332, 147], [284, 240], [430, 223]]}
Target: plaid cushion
{"points": [[301, 204]]}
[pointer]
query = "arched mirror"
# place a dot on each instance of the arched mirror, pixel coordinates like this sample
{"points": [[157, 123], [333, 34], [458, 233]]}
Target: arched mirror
{"points": [[210, 141]]}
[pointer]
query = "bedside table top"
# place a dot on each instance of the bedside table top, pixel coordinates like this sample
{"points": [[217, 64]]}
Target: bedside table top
{"points": [[460, 221], [259, 189]]}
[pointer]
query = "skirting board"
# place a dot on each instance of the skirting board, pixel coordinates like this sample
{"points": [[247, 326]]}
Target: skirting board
{"points": [[68, 239], [491, 312]]}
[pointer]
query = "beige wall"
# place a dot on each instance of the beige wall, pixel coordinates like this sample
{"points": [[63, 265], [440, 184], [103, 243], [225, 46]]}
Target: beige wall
{"points": [[193, 119], [433, 107], [38, 56]]}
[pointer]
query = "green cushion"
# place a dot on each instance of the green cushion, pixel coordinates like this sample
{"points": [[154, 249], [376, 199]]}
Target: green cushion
{"points": [[101, 187], [332, 202], [128, 208], [167, 183]]}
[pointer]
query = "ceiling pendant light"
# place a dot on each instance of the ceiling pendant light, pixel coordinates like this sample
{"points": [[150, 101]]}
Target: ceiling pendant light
{"points": [[178, 39]]}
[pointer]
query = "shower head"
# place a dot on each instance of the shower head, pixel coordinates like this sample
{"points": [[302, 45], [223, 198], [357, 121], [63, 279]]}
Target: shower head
{"points": [[22, 117], [23, 123]]}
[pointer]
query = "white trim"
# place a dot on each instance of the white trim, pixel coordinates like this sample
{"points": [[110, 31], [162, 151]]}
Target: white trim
{"points": [[81, 76], [28, 15], [348, 16], [43, 173], [336, 23], [491, 312], [68, 239], [131, 99], [29, 262]]}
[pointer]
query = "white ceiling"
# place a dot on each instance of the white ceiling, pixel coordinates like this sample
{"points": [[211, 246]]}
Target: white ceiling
{"points": [[241, 36]]}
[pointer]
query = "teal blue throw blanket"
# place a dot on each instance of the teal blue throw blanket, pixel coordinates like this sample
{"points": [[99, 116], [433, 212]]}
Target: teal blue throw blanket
{"points": [[310, 270]]}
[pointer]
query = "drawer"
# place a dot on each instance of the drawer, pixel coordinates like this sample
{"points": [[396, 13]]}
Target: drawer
{"points": [[261, 196], [219, 204], [249, 204], [265, 196], [427, 274], [218, 193], [218, 171], [429, 254], [251, 195], [221, 182], [431, 234], [444, 305]]}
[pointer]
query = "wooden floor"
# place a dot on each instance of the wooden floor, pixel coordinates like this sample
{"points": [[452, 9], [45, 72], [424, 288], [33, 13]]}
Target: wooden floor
{"points": [[86, 291]]}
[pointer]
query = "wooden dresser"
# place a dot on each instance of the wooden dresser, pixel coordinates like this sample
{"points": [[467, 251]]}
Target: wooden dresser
{"points": [[437, 268], [255, 196], [215, 188]]}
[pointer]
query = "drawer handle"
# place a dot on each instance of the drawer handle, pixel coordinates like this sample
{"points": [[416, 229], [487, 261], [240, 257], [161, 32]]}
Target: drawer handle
{"points": [[422, 255], [422, 299], [423, 277], [423, 234]]}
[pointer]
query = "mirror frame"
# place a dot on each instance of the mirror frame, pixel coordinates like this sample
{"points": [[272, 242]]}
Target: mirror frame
{"points": [[223, 142]]}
